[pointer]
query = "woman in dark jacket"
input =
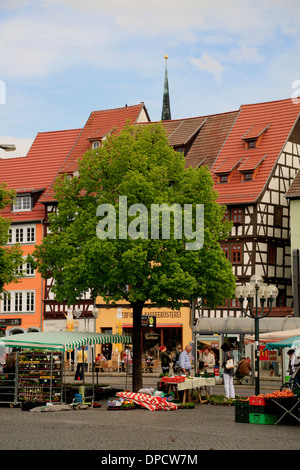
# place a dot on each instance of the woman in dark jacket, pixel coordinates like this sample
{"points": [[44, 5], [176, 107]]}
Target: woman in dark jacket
{"points": [[165, 360], [228, 373]]}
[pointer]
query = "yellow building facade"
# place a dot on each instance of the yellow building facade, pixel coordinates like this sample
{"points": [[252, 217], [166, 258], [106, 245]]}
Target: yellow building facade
{"points": [[160, 326]]}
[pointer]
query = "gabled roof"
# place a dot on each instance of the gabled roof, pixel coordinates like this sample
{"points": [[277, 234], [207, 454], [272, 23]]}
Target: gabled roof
{"points": [[99, 124], [294, 191], [203, 136], [277, 119], [36, 171]]}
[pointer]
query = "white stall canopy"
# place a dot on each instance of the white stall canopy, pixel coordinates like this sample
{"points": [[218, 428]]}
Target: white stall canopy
{"points": [[62, 340], [243, 325]]}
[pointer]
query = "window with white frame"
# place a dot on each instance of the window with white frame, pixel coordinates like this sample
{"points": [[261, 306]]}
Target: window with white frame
{"points": [[22, 203], [26, 270], [96, 144], [18, 302], [21, 234]]}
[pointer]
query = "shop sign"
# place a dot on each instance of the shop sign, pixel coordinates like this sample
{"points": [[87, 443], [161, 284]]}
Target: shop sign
{"points": [[267, 355], [10, 321], [148, 321]]}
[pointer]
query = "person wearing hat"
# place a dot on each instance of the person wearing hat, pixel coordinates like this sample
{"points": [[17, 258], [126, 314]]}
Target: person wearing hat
{"points": [[165, 360]]}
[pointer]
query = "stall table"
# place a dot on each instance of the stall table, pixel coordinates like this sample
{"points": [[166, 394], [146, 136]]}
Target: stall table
{"points": [[290, 406], [188, 384]]}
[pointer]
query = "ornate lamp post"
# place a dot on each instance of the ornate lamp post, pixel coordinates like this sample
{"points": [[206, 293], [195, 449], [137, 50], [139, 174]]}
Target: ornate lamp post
{"points": [[263, 294]]}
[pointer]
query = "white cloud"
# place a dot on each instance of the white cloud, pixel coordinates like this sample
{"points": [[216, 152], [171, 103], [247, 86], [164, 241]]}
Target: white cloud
{"points": [[245, 54], [208, 64]]}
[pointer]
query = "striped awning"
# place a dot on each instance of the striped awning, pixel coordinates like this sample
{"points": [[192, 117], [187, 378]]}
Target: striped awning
{"points": [[61, 340]]}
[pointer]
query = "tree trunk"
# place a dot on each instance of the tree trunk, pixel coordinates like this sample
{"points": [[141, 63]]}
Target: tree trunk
{"points": [[137, 377]]}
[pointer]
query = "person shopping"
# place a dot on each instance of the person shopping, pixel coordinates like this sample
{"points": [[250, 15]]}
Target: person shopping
{"points": [[243, 369], [81, 360], [184, 360], [207, 364], [165, 360], [228, 373]]}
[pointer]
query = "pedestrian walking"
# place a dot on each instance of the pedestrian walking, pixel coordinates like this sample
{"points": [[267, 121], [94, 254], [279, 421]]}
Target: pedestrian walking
{"points": [[228, 372]]}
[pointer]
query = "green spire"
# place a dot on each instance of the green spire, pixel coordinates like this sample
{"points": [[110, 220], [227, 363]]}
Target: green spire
{"points": [[166, 110]]}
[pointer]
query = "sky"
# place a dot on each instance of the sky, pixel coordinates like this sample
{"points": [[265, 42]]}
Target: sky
{"points": [[62, 59]]}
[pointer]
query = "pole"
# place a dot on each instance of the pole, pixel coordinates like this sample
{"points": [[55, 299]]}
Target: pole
{"points": [[256, 321]]}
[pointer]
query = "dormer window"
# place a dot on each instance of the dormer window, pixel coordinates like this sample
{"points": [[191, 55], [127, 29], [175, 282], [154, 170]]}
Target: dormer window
{"points": [[224, 179], [254, 135], [248, 176], [251, 144], [22, 203], [96, 144]]}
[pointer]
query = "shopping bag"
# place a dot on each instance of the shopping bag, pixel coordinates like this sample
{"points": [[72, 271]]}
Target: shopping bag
{"points": [[229, 364]]}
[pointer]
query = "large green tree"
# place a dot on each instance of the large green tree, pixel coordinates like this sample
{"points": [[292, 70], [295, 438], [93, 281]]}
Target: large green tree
{"points": [[127, 258], [10, 256]]}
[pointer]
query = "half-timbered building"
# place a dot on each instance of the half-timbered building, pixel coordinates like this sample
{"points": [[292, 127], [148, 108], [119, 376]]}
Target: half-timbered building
{"points": [[253, 155]]}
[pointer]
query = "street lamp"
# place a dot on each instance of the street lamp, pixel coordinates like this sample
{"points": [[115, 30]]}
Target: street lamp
{"points": [[8, 147], [262, 293]]}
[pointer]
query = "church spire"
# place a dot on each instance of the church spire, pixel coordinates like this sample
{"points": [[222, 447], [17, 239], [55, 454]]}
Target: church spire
{"points": [[166, 110]]}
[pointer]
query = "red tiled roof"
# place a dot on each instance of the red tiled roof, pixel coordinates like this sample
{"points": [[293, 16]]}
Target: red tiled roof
{"points": [[255, 131], [98, 123], [36, 171], [282, 116], [203, 136]]}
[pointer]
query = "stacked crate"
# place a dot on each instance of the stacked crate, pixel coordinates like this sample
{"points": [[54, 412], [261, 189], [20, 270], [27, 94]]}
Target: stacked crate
{"points": [[241, 411], [261, 411]]}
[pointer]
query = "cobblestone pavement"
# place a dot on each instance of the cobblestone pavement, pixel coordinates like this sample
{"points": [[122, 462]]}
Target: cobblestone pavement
{"points": [[205, 427]]}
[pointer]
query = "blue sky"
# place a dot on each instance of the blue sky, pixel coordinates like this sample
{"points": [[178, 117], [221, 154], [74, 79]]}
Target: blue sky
{"points": [[62, 59]]}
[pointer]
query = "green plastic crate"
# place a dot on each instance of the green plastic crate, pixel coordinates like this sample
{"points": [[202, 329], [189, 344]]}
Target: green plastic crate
{"points": [[259, 418]]}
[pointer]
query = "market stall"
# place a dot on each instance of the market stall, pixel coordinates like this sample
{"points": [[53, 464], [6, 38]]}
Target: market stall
{"points": [[39, 363], [188, 384]]}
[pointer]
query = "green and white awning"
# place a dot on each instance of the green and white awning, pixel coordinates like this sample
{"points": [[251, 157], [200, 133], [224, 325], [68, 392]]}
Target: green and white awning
{"points": [[61, 340]]}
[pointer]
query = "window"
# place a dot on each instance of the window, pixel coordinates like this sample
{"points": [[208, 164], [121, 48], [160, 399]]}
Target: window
{"points": [[234, 303], [6, 303], [226, 215], [225, 249], [96, 144], [179, 149], [18, 302], [223, 178], [19, 235], [272, 254], [22, 203], [22, 234], [248, 176], [237, 216], [278, 216], [30, 302], [30, 234], [252, 144], [236, 253], [29, 270]]}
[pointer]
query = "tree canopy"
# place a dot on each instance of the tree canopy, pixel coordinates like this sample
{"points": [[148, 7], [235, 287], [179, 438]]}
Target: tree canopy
{"points": [[104, 240]]}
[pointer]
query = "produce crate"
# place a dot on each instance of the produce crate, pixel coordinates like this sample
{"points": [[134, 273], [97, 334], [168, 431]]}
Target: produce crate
{"points": [[261, 409], [241, 411], [260, 418], [170, 380], [258, 401]]}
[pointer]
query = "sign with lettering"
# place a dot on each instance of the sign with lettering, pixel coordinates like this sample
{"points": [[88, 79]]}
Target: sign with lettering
{"points": [[148, 321]]}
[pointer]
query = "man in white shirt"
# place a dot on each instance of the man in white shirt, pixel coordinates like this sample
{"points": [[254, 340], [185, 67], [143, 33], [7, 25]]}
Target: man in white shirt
{"points": [[184, 360]]}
